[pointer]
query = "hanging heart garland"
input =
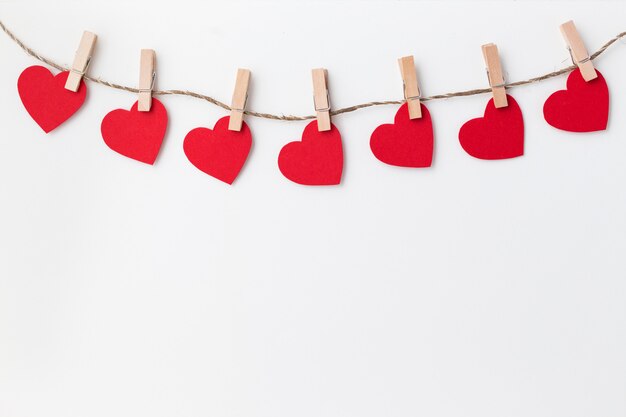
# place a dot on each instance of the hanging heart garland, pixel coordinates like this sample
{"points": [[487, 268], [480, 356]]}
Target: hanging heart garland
{"points": [[317, 159]]}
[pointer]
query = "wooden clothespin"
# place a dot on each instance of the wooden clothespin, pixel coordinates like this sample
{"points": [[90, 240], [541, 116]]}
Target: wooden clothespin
{"points": [[411, 87], [147, 74], [321, 99], [495, 74], [240, 97], [81, 61], [577, 50]]}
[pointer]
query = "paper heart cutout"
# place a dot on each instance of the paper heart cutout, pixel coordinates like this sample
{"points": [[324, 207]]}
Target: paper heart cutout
{"points": [[315, 160], [497, 135], [45, 98], [220, 152], [582, 107], [405, 143], [135, 134]]}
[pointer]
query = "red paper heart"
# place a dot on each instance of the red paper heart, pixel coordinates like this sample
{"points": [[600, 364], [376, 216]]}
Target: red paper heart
{"points": [[45, 97], [220, 152], [497, 135], [582, 107], [316, 160], [406, 142], [136, 134]]}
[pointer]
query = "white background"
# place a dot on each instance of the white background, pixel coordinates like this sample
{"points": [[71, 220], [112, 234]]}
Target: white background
{"points": [[473, 288]]}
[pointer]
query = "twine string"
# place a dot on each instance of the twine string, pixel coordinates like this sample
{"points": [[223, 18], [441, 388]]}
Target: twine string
{"points": [[216, 102]]}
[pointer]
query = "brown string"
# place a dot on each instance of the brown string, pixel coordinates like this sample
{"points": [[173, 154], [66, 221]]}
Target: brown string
{"points": [[216, 102]]}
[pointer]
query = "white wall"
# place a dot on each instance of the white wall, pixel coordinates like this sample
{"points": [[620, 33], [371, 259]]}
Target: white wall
{"points": [[474, 288]]}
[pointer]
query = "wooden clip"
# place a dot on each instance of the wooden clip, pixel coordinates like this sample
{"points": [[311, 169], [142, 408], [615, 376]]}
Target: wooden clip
{"points": [[410, 86], [238, 103], [81, 61], [495, 74], [577, 50], [147, 75], [321, 99]]}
